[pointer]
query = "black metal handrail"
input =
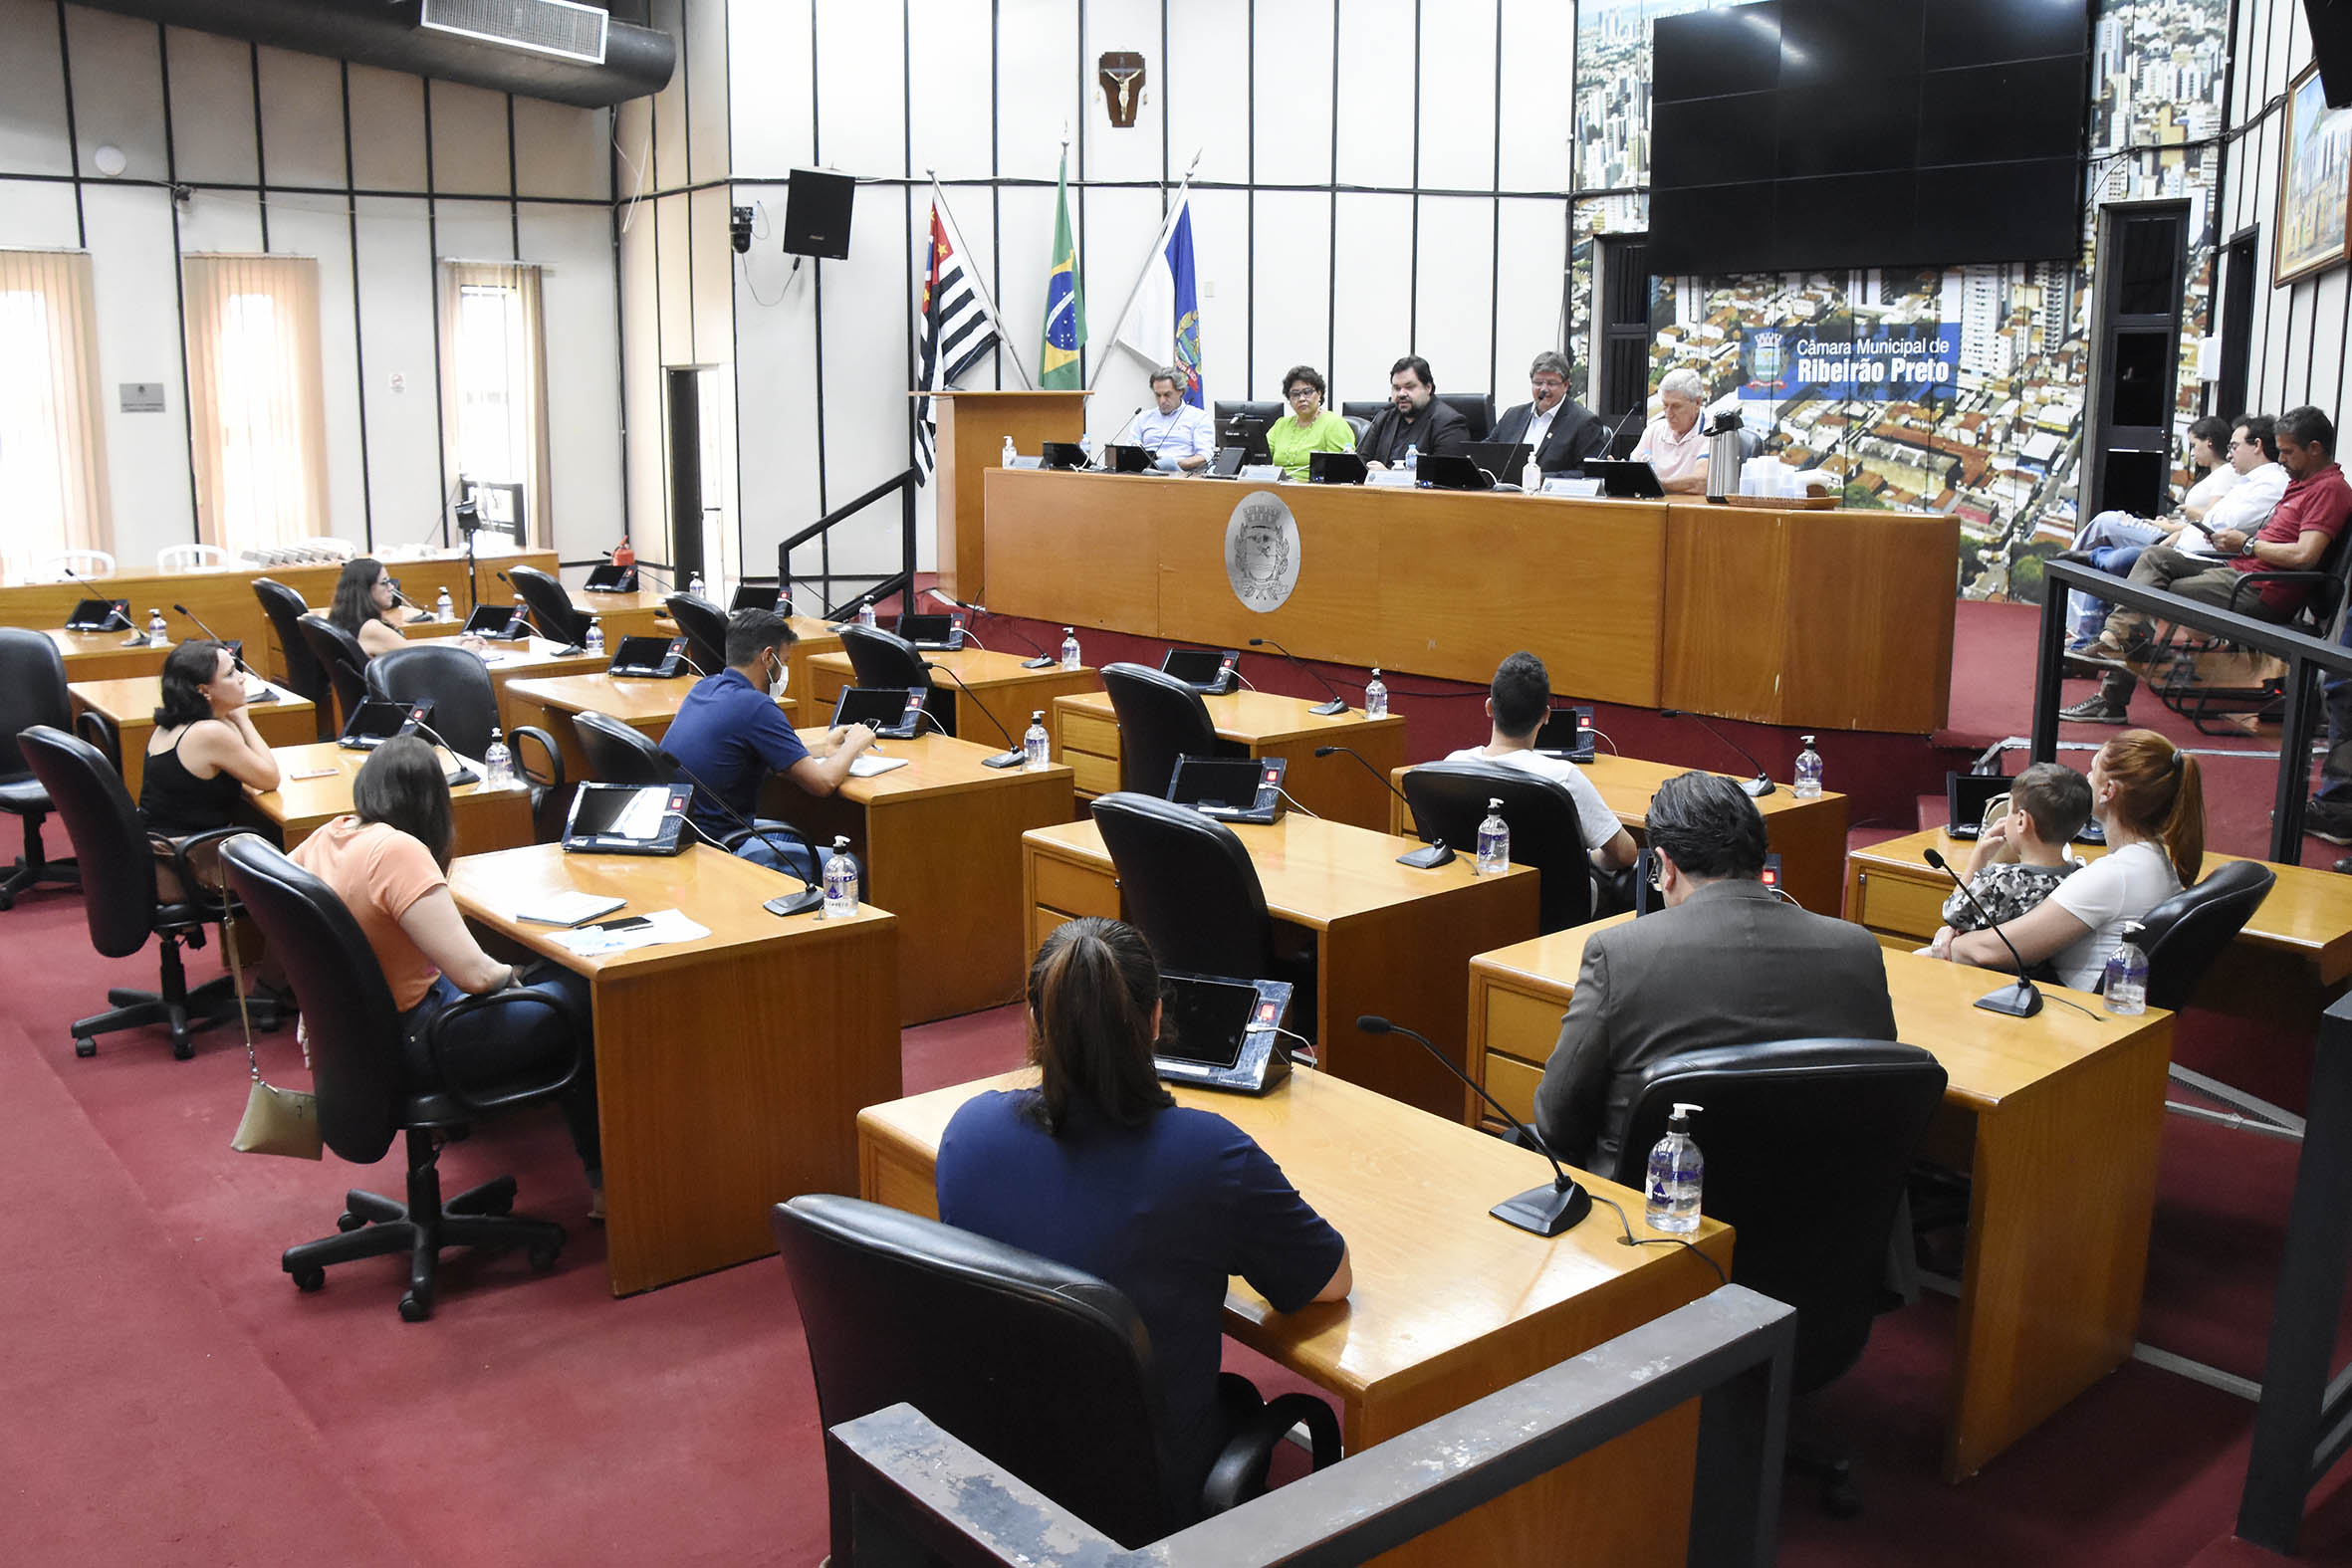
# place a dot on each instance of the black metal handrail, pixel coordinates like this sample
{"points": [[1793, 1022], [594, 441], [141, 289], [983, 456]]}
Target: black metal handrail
{"points": [[881, 586], [2307, 658]]}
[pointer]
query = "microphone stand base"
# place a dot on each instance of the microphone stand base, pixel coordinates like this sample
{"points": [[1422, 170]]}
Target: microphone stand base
{"points": [[796, 903], [1428, 858], [1330, 708], [1758, 788], [1041, 662], [1546, 1211], [2014, 1002]]}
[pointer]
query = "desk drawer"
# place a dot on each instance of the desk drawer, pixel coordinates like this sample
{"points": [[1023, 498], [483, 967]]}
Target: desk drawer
{"points": [[1901, 905], [1074, 889], [1522, 1025], [1513, 1081], [1082, 731]]}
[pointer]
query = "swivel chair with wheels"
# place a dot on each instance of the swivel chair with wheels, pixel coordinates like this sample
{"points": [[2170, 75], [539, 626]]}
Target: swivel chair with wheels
{"points": [[883, 658], [121, 901], [31, 691], [339, 653], [1043, 1368], [550, 607], [1160, 719], [305, 676], [2181, 937], [1449, 800], [371, 1089], [465, 711], [705, 629]]}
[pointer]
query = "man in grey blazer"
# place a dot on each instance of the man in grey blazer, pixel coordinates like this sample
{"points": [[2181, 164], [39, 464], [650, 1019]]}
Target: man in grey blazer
{"points": [[1725, 963]]}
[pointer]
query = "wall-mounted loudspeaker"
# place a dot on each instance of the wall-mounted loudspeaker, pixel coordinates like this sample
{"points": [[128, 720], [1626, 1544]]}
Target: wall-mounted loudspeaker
{"points": [[817, 214]]}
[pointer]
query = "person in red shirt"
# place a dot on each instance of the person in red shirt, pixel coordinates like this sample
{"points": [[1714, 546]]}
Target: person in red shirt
{"points": [[2297, 538]]}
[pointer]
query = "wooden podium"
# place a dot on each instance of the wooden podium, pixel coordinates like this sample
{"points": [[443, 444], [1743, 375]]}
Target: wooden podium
{"points": [[972, 431]]}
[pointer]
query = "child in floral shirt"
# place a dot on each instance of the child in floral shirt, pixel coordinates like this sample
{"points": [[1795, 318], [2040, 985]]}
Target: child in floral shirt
{"points": [[2021, 859]]}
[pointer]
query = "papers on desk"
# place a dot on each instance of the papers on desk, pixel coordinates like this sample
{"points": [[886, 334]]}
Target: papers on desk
{"points": [[567, 908], [867, 765], [661, 925]]}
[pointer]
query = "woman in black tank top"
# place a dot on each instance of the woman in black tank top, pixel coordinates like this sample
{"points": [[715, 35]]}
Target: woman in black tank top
{"points": [[204, 752]]}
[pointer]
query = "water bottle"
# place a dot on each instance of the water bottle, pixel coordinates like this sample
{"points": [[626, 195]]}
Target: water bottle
{"points": [[865, 612], [2127, 975], [1413, 459], [1375, 696], [158, 630], [1676, 1166], [1036, 747], [694, 585], [841, 883], [1086, 445], [444, 607], [1069, 647], [1808, 773], [596, 636], [498, 764], [1494, 841], [1009, 454]]}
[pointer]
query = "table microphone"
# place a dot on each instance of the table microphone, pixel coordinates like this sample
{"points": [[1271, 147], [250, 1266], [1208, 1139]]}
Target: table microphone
{"points": [[1759, 786], [1043, 661], [1013, 753], [115, 616], [465, 775], [568, 650], [1546, 1211], [269, 693], [2020, 1001], [1428, 858], [1336, 705], [811, 895]]}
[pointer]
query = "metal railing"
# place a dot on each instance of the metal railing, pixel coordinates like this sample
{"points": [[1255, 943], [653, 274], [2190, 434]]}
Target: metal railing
{"points": [[876, 585], [918, 1496], [2307, 658]]}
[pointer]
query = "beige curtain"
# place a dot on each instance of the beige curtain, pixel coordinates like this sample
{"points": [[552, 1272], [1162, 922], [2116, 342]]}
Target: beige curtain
{"points": [[256, 398], [494, 382], [52, 465]]}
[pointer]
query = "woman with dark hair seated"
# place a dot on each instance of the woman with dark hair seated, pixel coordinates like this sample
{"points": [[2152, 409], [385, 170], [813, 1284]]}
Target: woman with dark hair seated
{"points": [[204, 752], [1098, 1167], [365, 605], [387, 863]]}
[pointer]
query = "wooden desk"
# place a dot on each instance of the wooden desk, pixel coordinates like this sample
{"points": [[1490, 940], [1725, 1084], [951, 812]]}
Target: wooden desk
{"points": [[1449, 1305], [970, 441], [130, 706], [646, 706], [997, 680], [635, 614], [100, 655], [483, 819], [1809, 836], [2292, 959], [1086, 736], [1390, 940], [729, 1070], [2057, 1245], [940, 840], [535, 658]]}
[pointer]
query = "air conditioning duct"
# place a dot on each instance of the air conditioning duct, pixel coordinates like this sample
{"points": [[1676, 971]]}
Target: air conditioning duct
{"points": [[563, 28]]}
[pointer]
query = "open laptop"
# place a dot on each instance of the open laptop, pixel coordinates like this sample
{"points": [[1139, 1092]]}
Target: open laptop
{"points": [[101, 615], [652, 658], [893, 713], [1567, 733], [627, 820], [1503, 459], [933, 633], [1966, 796], [609, 577], [1623, 479], [1218, 1034], [1335, 468], [1231, 788], [1209, 671]]}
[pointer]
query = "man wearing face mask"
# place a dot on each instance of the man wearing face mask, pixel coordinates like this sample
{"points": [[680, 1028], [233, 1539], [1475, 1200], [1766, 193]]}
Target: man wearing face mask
{"points": [[730, 735]]}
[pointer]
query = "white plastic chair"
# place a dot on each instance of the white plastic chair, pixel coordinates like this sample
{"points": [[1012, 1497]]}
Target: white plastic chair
{"points": [[182, 558], [83, 563]]}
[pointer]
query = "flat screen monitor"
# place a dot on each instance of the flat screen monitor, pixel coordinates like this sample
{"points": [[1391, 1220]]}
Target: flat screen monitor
{"points": [[1202, 669], [892, 712], [759, 595]]}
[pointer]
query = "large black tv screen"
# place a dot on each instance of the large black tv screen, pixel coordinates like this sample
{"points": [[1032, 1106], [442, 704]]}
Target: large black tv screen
{"points": [[1799, 135]]}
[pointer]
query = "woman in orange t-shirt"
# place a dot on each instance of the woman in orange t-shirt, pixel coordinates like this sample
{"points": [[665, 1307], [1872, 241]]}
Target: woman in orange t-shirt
{"points": [[387, 863]]}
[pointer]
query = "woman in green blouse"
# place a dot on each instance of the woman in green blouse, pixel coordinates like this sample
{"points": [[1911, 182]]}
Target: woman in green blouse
{"points": [[1311, 426]]}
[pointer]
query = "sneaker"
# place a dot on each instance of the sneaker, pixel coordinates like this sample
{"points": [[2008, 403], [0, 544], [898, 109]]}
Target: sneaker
{"points": [[2331, 822], [2095, 709], [2343, 867]]}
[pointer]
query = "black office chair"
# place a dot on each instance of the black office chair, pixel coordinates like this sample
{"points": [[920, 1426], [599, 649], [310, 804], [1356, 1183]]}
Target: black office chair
{"points": [[1367, 410], [1044, 1369], [1449, 800], [618, 754], [465, 710], [550, 607], [305, 676], [1475, 409], [1160, 719], [1781, 1125], [120, 898], [31, 691], [705, 629], [883, 658], [344, 661], [370, 1088], [2181, 937]]}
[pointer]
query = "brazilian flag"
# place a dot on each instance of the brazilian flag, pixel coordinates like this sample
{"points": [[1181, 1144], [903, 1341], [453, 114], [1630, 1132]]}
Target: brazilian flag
{"points": [[1065, 300]]}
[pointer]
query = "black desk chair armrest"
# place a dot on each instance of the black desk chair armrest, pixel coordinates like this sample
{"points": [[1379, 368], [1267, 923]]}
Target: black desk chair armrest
{"points": [[466, 1007], [219, 903], [1240, 1472], [99, 731], [548, 774], [2315, 580]]}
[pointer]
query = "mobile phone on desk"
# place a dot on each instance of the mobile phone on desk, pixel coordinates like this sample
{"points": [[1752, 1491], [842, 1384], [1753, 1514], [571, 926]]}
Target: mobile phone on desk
{"points": [[621, 923]]}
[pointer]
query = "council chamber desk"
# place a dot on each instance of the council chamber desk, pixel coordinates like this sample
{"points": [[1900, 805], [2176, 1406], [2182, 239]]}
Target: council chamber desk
{"points": [[2058, 1243], [551, 702], [128, 707], [481, 819], [996, 681], [1086, 736], [1825, 619], [1449, 1304], [729, 1070], [104, 656], [1389, 939]]}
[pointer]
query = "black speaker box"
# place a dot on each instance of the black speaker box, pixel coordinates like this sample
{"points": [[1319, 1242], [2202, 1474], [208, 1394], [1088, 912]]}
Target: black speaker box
{"points": [[817, 214]]}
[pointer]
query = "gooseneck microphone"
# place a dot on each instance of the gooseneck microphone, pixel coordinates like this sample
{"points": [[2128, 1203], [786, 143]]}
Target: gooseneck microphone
{"points": [[1545, 1210], [1336, 705], [1759, 786], [811, 894], [465, 775], [1013, 752], [117, 619], [1425, 859], [2020, 1001], [269, 693], [1043, 661]]}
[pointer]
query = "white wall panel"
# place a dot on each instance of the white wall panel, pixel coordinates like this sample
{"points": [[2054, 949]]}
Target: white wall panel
{"points": [[135, 276], [1372, 287], [327, 237], [670, 111], [117, 90], [1293, 276], [867, 327], [641, 351], [37, 215], [561, 151], [1527, 318], [1025, 242], [1535, 117], [768, 52], [1220, 251], [32, 93], [211, 107], [469, 140], [1292, 112], [860, 88], [705, 70], [774, 396], [474, 231], [1454, 326], [714, 262], [396, 322], [672, 234], [1122, 225], [1038, 86], [1125, 26], [387, 130], [302, 125], [228, 221], [574, 247], [1207, 83], [949, 95], [1458, 98], [1375, 117]]}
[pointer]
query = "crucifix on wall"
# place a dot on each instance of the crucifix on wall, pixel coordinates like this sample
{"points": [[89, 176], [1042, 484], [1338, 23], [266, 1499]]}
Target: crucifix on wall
{"points": [[1121, 75]]}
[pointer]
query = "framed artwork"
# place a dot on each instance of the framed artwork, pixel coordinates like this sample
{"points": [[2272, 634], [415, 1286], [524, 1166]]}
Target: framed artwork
{"points": [[2314, 184]]}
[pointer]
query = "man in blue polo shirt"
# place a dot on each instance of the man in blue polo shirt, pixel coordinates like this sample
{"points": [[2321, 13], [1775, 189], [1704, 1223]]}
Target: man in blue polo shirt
{"points": [[730, 735]]}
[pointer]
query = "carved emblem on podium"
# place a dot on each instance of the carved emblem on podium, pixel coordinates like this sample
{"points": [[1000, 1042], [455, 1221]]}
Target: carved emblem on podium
{"points": [[1262, 552], [1121, 75]]}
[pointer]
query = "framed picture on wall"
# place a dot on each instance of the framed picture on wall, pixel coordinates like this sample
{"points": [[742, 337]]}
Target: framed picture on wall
{"points": [[2314, 184]]}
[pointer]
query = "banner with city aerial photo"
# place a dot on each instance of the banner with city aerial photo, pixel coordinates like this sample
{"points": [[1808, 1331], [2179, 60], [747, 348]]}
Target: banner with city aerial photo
{"points": [[1956, 390]]}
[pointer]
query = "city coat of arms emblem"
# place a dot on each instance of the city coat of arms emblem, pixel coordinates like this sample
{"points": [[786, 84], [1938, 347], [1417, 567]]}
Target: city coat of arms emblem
{"points": [[1262, 552]]}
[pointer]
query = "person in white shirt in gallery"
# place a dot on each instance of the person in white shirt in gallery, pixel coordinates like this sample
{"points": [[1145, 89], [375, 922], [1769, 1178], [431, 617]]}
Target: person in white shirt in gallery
{"points": [[1179, 436], [1672, 443], [1518, 702], [1562, 431], [2239, 490]]}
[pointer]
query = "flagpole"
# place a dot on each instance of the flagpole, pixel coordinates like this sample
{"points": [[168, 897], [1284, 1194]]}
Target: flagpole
{"points": [[1167, 228], [988, 305]]}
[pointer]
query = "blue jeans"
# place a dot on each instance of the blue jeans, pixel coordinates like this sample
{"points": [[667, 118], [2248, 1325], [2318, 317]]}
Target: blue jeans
{"points": [[780, 847], [2115, 539], [512, 1041]]}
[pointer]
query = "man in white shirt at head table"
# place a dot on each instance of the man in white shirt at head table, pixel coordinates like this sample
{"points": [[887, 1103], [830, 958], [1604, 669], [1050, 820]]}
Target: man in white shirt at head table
{"points": [[1178, 435]]}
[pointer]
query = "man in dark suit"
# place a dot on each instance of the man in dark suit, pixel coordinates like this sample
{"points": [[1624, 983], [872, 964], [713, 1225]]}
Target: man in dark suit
{"points": [[1725, 963], [1562, 431], [1413, 418]]}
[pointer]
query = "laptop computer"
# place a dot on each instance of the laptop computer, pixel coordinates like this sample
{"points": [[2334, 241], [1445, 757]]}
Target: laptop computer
{"points": [[933, 633], [1567, 733], [1231, 788], [609, 577], [1966, 796], [1218, 1034], [893, 713], [1209, 671], [1503, 459], [627, 820], [1335, 468], [1623, 479], [375, 721], [1442, 472], [101, 615], [652, 658]]}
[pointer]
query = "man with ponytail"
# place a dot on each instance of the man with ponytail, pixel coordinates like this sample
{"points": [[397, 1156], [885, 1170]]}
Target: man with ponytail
{"points": [[1098, 1167], [2146, 793]]}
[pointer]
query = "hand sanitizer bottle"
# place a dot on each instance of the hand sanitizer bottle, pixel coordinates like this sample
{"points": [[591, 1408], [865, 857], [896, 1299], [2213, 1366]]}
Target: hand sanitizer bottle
{"points": [[444, 607], [1531, 478], [841, 883], [865, 612], [1375, 696], [596, 636], [1676, 1166], [1069, 647], [1807, 783], [694, 585], [498, 764], [159, 629], [1494, 841], [2126, 990], [1006, 459], [1413, 461], [1036, 747]]}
